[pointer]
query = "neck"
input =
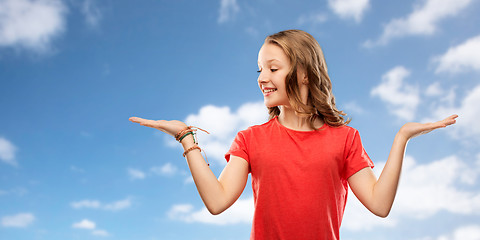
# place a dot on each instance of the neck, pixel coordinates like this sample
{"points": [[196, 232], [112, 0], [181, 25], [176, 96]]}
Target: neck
{"points": [[289, 119]]}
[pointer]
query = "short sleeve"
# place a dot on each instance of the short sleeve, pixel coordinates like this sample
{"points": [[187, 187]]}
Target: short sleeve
{"points": [[238, 148], [356, 158]]}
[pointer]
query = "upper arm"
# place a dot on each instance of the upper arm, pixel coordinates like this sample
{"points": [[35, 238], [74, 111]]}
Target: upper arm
{"points": [[362, 184], [234, 178]]}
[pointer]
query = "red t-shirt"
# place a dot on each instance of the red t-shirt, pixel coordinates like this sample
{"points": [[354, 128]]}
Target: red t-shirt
{"points": [[299, 178]]}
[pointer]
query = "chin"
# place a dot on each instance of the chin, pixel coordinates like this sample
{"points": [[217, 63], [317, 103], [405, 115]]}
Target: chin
{"points": [[270, 104]]}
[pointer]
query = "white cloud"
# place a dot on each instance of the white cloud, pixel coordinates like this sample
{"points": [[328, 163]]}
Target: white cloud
{"points": [[228, 10], [118, 205], [349, 9], [135, 174], [423, 20], [84, 224], [467, 127], [223, 124], [100, 232], [424, 190], [440, 97], [358, 218], [434, 90], [353, 107], [86, 204], [461, 58], [178, 211], [470, 232], [92, 13], [20, 220], [188, 180], [7, 152], [31, 24], [401, 98], [240, 212], [90, 225], [430, 188], [167, 169], [95, 204]]}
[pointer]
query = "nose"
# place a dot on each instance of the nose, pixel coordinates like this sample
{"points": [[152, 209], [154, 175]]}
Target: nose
{"points": [[262, 78]]}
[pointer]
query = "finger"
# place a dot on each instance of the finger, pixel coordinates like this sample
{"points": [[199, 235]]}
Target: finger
{"points": [[428, 127], [432, 126], [136, 119], [141, 121], [146, 122], [158, 124], [449, 120], [452, 119]]}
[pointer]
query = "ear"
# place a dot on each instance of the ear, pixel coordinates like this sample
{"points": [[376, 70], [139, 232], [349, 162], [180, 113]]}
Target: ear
{"points": [[302, 75]]}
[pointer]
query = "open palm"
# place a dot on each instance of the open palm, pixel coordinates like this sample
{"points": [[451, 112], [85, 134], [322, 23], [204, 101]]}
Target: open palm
{"points": [[169, 127], [413, 129]]}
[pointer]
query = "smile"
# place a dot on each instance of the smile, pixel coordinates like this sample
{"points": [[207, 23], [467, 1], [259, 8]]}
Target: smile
{"points": [[269, 90]]}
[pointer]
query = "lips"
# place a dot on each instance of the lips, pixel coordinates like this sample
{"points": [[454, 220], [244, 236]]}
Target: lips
{"points": [[268, 91]]}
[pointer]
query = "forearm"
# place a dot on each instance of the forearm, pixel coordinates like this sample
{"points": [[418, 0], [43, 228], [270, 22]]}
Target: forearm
{"points": [[385, 188], [209, 187], [378, 194]]}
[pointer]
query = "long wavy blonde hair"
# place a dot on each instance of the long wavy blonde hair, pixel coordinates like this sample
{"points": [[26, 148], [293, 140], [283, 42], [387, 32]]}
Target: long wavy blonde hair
{"points": [[303, 50]]}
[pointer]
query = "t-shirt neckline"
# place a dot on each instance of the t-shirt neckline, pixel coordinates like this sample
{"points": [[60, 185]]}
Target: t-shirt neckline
{"points": [[298, 131]]}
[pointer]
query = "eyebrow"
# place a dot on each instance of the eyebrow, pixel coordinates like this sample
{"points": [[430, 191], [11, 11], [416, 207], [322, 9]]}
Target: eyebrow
{"points": [[271, 60]]}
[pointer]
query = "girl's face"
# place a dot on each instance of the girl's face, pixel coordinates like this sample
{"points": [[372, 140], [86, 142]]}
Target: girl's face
{"points": [[273, 66]]}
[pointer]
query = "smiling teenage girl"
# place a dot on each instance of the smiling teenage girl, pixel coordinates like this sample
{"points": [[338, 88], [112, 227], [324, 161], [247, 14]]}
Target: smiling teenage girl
{"points": [[304, 158]]}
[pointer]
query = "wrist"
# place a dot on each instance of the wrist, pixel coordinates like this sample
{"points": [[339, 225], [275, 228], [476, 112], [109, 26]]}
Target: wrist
{"points": [[401, 136], [188, 141]]}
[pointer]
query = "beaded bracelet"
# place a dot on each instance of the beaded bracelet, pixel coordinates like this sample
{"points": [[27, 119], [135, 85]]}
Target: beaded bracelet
{"points": [[190, 149], [182, 133], [196, 147], [187, 131], [186, 134]]}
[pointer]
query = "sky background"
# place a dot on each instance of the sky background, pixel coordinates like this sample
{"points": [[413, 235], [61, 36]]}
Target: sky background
{"points": [[72, 72]]}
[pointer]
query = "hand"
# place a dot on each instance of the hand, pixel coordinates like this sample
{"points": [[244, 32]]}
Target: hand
{"points": [[411, 130], [169, 127]]}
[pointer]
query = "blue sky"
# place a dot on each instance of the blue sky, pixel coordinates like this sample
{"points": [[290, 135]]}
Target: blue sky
{"points": [[72, 72]]}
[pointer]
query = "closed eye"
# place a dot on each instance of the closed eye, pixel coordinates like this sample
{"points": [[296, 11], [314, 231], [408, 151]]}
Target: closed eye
{"points": [[271, 70]]}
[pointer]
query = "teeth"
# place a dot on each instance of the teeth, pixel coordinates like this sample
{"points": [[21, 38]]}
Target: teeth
{"points": [[269, 90]]}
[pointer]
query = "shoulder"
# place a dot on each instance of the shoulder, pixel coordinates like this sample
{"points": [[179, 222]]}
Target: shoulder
{"points": [[343, 134], [344, 130], [252, 132], [258, 128]]}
